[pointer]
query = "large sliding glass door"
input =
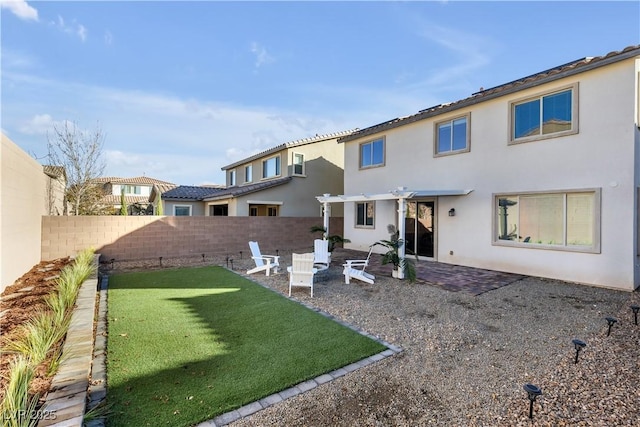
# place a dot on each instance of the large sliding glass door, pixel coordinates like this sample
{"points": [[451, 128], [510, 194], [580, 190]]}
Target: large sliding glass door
{"points": [[419, 228]]}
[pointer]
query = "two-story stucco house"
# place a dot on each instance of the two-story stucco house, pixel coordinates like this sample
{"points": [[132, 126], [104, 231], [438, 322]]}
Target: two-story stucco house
{"points": [[283, 180], [136, 193], [538, 176]]}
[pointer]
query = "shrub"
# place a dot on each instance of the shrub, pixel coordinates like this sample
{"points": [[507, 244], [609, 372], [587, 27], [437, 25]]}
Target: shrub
{"points": [[17, 406]]}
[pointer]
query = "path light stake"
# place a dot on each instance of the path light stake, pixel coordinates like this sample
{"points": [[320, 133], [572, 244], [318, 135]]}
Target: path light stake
{"points": [[202, 257], [231, 263], [160, 261], [227, 261], [113, 260], [610, 321], [533, 391], [579, 345], [240, 254], [278, 252], [635, 309]]}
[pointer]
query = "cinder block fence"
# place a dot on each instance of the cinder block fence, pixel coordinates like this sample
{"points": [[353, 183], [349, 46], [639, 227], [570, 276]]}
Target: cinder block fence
{"points": [[147, 237]]}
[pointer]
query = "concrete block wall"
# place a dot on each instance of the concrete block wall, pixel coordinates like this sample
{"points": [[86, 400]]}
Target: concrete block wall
{"points": [[147, 237]]}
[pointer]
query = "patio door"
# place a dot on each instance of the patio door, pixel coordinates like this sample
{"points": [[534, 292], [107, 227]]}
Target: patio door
{"points": [[419, 228]]}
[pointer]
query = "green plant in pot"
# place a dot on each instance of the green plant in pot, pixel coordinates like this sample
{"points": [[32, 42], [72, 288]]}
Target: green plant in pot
{"points": [[392, 256], [334, 239]]}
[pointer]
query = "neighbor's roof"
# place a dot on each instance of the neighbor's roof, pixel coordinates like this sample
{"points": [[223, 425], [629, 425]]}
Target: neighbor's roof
{"points": [[145, 180], [111, 199], [231, 192], [552, 74], [296, 143], [189, 192], [54, 171]]}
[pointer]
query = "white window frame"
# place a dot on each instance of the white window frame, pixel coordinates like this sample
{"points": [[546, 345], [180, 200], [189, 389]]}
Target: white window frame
{"points": [[597, 209], [232, 178], [248, 173], [373, 208], [278, 167], [436, 137], [574, 88], [182, 206], [294, 164]]}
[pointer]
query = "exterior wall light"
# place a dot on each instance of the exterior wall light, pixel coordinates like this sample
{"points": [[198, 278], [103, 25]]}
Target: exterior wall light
{"points": [[452, 212]]}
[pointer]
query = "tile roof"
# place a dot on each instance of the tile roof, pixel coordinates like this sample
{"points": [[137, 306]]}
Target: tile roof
{"points": [[111, 199], [247, 189], [54, 171], [561, 71], [190, 192], [290, 144], [145, 180]]}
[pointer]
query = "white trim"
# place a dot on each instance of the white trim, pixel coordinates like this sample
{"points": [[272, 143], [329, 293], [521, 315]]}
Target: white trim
{"points": [[263, 202], [400, 193]]}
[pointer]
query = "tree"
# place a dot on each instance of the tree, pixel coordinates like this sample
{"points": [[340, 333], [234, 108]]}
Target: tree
{"points": [[160, 210], [80, 153], [123, 203]]}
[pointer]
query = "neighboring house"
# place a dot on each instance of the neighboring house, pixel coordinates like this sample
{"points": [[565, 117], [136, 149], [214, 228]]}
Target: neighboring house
{"points": [[282, 181], [136, 192], [56, 184], [182, 200], [538, 176]]}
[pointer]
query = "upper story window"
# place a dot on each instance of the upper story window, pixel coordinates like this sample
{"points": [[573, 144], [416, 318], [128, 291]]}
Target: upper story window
{"points": [[271, 167], [248, 173], [545, 116], [372, 153], [452, 136], [232, 178], [298, 164], [365, 214], [132, 189]]}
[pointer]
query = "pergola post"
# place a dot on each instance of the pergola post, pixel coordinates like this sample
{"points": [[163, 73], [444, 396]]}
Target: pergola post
{"points": [[325, 215], [402, 209]]}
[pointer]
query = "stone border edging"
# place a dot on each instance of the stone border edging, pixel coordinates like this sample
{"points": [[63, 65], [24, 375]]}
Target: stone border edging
{"points": [[66, 400], [264, 403]]}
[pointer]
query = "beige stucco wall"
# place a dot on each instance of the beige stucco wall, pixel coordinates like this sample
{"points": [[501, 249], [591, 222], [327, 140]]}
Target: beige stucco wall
{"points": [[22, 205], [601, 155]]}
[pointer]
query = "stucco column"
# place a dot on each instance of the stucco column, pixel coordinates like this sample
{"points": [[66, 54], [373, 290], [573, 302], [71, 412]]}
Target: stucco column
{"points": [[402, 209]]}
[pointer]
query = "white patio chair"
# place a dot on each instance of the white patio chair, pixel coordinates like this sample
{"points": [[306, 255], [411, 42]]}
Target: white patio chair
{"points": [[302, 271], [351, 270], [321, 254], [263, 262]]}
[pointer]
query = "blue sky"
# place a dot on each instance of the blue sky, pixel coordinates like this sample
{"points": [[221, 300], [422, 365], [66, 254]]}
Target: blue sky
{"points": [[181, 89]]}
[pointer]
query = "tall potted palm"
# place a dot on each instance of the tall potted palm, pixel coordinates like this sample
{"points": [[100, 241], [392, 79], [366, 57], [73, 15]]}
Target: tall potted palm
{"points": [[392, 256]]}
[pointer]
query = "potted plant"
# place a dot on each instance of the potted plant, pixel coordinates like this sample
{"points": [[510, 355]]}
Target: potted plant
{"points": [[392, 256], [333, 239]]}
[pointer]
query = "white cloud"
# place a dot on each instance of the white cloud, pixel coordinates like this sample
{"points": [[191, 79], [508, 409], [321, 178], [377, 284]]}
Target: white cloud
{"points": [[262, 56], [21, 9], [74, 28], [108, 38], [37, 125]]}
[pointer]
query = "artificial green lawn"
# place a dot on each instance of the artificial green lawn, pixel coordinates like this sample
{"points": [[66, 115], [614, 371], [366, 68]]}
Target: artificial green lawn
{"points": [[189, 344]]}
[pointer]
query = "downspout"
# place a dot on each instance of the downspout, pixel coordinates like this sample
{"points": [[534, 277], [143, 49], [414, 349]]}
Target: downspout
{"points": [[325, 214]]}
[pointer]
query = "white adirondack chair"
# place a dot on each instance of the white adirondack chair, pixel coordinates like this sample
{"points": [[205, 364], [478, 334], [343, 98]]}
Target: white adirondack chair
{"points": [[302, 271], [354, 269], [264, 263], [321, 254]]}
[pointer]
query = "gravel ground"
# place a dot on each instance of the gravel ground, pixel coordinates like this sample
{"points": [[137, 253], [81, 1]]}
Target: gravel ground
{"points": [[466, 358]]}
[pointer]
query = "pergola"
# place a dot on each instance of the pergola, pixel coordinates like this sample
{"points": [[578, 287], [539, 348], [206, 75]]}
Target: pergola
{"points": [[401, 194]]}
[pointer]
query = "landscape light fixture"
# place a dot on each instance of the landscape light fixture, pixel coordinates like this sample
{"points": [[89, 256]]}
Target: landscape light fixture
{"points": [[579, 345], [114, 260], [610, 321], [231, 264], [635, 309], [533, 391], [160, 258], [202, 257], [227, 261], [240, 254], [452, 212]]}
